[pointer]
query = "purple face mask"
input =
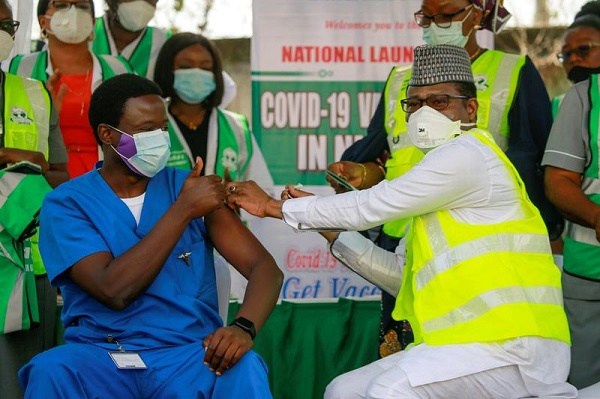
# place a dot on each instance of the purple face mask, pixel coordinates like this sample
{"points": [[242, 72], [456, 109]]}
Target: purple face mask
{"points": [[126, 149], [145, 153]]}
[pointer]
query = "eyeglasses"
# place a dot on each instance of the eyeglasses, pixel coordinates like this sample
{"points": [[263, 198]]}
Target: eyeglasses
{"points": [[9, 26], [441, 20], [581, 51], [435, 101], [60, 5]]}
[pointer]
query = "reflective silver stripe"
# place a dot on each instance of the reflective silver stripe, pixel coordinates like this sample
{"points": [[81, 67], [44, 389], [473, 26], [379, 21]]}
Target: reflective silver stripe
{"points": [[590, 185], [492, 299], [507, 242], [500, 93], [37, 98], [435, 233], [394, 94], [14, 311], [581, 234], [399, 142], [8, 182], [6, 254]]}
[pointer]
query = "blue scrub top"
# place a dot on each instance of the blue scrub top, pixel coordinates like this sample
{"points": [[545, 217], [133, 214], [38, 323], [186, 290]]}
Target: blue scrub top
{"points": [[85, 216]]}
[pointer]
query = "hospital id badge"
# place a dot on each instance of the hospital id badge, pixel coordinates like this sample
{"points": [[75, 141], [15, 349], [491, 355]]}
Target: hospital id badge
{"points": [[127, 360]]}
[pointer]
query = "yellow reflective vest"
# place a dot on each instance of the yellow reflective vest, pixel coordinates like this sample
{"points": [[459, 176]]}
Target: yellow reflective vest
{"points": [[466, 283], [26, 124], [496, 79]]}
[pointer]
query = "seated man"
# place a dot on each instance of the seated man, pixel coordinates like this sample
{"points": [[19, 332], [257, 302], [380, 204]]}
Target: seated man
{"points": [[479, 288], [131, 247]]}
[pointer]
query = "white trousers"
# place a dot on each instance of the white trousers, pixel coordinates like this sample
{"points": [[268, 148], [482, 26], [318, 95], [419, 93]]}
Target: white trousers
{"points": [[385, 379]]}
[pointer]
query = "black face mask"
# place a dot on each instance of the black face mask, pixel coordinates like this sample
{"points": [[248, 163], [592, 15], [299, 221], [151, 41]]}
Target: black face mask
{"points": [[579, 73]]}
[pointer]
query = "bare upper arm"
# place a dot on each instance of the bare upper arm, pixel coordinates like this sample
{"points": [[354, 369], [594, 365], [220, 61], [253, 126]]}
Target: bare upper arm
{"points": [[234, 241]]}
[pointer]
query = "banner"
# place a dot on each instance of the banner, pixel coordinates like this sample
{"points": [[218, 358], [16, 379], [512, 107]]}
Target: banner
{"points": [[318, 70]]}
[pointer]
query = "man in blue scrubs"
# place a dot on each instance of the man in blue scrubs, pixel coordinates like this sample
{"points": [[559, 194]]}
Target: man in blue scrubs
{"points": [[131, 247]]}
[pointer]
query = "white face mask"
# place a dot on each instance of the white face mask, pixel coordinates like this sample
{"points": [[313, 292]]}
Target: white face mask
{"points": [[452, 35], [72, 25], [6, 45], [135, 15], [428, 128]]}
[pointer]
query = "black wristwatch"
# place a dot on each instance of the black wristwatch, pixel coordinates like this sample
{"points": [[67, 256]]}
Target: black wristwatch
{"points": [[245, 325]]}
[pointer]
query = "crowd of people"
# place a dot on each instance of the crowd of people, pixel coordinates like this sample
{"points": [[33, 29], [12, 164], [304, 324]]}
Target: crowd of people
{"points": [[116, 142]]}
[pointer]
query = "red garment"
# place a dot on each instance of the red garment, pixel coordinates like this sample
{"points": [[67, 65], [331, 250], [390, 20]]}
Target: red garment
{"points": [[76, 130]]}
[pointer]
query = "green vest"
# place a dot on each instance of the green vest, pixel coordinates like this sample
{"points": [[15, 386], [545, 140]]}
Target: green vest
{"points": [[234, 149], [26, 123], [35, 65], [466, 282], [21, 197], [496, 79], [582, 249], [144, 55]]}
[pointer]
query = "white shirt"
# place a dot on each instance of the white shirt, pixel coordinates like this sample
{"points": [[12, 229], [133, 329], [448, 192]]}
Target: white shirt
{"points": [[469, 180]]}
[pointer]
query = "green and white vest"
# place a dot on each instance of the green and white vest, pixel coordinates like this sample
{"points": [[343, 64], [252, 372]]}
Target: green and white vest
{"points": [[582, 249], [229, 132], [35, 65], [21, 197], [143, 52]]}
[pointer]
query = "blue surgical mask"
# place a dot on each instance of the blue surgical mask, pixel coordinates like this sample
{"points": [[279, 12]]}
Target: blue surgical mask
{"points": [[145, 153], [452, 35], [194, 85]]}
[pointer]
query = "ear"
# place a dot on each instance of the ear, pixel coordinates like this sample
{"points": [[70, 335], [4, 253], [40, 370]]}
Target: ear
{"points": [[105, 133], [472, 107], [44, 22]]}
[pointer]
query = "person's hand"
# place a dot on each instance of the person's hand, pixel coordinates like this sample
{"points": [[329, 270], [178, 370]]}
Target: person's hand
{"points": [[14, 155], [352, 172], [225, 347], [292, 192], [200, 195], [250, 197], [57, 93]]}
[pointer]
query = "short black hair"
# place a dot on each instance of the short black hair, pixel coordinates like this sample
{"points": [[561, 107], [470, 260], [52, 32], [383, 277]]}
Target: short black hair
{"points": [[467, 89], [108, 100], [163, 72], [586, 21], [44, 4], [589, 8]]}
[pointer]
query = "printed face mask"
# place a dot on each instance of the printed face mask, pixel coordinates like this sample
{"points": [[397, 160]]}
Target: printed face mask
{"points": [[6, 45], [428, 128], [72, 25], [193, 85], [135, 15], [145, 153], [452, 35]]}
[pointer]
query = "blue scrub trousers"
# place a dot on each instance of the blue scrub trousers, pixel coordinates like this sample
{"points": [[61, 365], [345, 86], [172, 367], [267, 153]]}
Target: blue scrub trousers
{"points": [[87, 371]]}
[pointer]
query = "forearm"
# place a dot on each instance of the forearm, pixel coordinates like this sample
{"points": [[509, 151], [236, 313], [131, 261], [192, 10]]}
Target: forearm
{"points": [[128, 276], [14, 155], [376, 265], [262, 292], [571, 201], [373, 174], [57, 174]]}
